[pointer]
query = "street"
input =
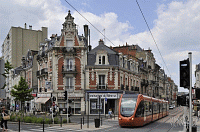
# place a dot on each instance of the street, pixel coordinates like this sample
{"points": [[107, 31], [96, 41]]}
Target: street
{"points": [[171, 123]]}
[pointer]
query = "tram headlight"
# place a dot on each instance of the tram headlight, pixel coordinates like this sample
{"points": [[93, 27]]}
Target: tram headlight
{"points": [[132, 119], [120, 118]]}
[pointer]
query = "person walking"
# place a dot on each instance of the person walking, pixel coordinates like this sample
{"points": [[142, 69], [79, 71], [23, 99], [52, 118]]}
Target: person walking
{"points": [[3, 122]]}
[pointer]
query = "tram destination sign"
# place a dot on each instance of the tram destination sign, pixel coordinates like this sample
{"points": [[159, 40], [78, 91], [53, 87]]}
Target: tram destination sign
{"points": [[103, 95]]}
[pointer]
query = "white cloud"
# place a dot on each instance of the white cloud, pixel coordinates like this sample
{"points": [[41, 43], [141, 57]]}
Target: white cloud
{"points": [[176, 30]]}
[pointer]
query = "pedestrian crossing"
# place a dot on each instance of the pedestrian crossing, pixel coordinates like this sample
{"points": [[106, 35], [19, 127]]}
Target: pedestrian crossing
{"points": [[51, 129]]}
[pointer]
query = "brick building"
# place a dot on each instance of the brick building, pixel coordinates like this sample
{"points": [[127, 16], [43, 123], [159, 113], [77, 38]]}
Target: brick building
{"points": [[61, 64]]}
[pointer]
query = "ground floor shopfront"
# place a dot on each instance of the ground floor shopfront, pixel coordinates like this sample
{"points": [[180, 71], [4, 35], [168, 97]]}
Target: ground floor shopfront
{"points": [[109, 100]]}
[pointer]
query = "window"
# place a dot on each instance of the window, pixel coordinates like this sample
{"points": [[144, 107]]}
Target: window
{"points": [[69, 64], [69, 84], [102, 60], [70, 43], [140, 110], [102, 82]]}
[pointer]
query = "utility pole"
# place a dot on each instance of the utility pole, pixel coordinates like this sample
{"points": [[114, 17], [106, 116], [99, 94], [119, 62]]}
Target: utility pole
{"points": [[190, 92]]}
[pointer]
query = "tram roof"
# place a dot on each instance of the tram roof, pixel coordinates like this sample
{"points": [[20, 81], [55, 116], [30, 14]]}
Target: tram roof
{"points": [[130, 95]]}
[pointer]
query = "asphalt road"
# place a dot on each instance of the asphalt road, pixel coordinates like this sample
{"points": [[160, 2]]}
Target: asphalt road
{"points": [[163, 125]]}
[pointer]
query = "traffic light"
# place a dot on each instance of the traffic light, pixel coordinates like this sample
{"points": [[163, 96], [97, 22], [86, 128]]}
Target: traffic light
{"points": [[185, 73], [65, 94]]}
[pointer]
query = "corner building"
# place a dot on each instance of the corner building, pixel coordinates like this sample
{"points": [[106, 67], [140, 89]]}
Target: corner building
{"points": [[110, 74], [61, 63]]}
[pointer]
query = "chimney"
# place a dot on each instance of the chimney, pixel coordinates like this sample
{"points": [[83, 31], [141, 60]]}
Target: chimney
{"points": [[126, 44], [90, 47], [25, 25], [101, 41], [86, 32], [30, 27]]}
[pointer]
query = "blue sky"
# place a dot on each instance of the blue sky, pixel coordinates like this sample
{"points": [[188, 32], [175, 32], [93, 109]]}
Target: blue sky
{"points": [[174, 24]]}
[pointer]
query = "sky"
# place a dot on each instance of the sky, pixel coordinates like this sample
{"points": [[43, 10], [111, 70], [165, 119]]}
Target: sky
{"points": [[173, 23]]}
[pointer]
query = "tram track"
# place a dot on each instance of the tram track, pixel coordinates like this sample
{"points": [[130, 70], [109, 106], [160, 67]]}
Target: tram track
{"points": [[161, 122]]}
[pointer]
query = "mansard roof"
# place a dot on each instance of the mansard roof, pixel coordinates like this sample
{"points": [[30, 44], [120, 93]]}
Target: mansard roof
{"points": [[101, 46]]}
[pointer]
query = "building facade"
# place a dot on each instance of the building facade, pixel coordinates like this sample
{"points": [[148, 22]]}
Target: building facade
{"points": [[61, 64], [16, 45]]}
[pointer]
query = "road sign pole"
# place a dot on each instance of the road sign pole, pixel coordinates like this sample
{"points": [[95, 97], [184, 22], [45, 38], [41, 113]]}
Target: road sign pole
{"points": [[190, 92]]}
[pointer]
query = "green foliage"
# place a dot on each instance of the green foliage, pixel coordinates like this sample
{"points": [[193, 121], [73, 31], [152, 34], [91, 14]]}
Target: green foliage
{"points": [[64, 120], [39, 120], [56, 120], [19, 118], [21, 91], [12, 117], [47, 121], [7, 68], [28, 119], [34, 119]]}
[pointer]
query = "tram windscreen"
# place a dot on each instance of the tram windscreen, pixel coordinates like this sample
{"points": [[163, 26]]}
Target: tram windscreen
{"points": [[128, 106]]}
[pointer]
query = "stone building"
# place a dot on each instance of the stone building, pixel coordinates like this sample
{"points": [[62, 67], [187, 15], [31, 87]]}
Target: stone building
{"points": [[111, 72], [61, 65], [16, 45]]}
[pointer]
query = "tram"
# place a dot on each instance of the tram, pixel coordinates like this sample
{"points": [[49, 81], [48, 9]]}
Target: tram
{"points": [[138, 109]]}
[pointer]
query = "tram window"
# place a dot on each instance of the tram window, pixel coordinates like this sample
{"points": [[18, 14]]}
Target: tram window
{"points": [[150, 106], [155, 109], [140, 110], [147, 108]]}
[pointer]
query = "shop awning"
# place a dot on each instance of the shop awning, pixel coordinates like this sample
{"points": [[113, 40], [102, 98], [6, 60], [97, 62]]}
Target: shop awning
{"points": [[42, 100]]}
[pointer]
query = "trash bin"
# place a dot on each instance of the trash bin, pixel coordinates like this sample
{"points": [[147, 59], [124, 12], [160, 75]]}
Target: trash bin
{"points": [[194, 128], [97, 123]]}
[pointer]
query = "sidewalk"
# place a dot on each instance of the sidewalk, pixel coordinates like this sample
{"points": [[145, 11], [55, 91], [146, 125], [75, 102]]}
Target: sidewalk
{"points": [[91, 125]]}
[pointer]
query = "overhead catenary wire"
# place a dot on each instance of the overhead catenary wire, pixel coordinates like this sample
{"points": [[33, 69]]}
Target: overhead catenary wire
{"points": [[153, 37], [90, 23]]}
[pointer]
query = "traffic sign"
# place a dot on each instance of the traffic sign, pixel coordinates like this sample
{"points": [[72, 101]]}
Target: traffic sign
{"points": [[53, 103]]}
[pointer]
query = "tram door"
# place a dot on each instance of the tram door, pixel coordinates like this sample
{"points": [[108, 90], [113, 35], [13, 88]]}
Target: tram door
{"points": [[110, 105]]}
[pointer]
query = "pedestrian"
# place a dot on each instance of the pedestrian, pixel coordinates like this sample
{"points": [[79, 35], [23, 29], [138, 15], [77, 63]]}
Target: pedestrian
{"points": [[198, 115], [3, 122], [110, 113]]}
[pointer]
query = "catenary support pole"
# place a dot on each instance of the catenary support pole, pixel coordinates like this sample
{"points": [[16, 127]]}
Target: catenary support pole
{"points": [[190, 92]]}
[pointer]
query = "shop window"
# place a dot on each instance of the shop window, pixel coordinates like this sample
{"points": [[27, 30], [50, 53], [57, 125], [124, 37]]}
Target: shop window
{"points": [[94, 107]]}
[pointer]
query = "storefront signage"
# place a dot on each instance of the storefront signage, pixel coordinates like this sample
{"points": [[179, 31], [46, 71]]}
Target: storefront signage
{"points": [[43, 95], [103, 95]]}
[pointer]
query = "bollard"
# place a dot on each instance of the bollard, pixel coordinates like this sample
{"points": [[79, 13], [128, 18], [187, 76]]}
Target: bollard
{"points": [[43, 125], [114, 116], [101, 121], [60, 121], [83, 120], [19, 125], [81, 123]]}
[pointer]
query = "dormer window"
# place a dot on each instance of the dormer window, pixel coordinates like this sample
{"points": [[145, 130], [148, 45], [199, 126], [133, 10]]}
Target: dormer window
{"points": [[101, 60]]}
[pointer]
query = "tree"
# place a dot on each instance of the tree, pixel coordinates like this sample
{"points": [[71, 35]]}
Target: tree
{"points": [[21, 92], [7, 68]]}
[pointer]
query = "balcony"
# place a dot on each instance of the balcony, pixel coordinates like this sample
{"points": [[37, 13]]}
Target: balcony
{"points": [[69, 50], [69, 69], [127, 88], [38, 73], [122, 87], [70, 89], [101, 87], [44, 71]]}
